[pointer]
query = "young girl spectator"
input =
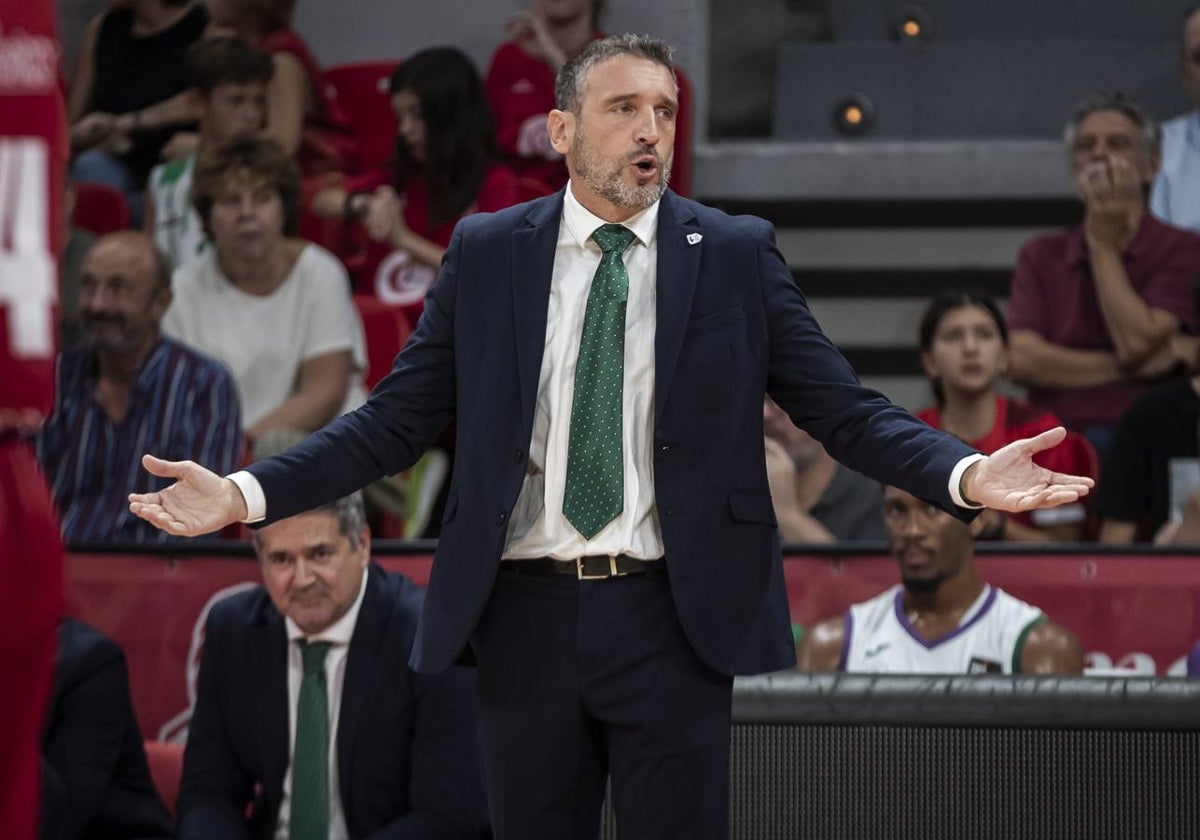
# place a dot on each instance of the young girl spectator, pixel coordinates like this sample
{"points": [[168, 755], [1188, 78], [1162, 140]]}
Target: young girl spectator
{"points": [[520, 81], [125, 98], [302, 117], [443, 170], [520, 85], [964, 344]]}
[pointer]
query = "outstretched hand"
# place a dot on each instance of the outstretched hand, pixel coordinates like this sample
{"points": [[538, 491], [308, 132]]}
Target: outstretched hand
{"points": [[199, 502], [1008, 479]]}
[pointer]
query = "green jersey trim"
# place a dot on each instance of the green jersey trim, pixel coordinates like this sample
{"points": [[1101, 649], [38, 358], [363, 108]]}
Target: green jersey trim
{"points": [[1019, 647]]}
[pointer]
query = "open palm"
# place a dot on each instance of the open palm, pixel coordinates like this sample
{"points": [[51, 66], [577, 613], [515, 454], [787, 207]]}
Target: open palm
{"points": [[1008, 479], [199, 502]]}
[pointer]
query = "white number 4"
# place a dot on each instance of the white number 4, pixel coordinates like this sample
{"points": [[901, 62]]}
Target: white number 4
{"points": [[28, 277]]}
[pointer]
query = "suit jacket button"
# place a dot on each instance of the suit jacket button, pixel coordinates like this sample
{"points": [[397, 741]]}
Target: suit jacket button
{"points": [[500, 519], [518, 456]]}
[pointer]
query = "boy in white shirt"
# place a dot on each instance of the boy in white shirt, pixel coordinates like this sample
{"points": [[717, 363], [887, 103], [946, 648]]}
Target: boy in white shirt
{"points": [[229, 83]]}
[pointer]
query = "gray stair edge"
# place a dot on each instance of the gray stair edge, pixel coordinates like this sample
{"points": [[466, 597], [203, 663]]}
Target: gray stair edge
{"points": [[881, 170]]}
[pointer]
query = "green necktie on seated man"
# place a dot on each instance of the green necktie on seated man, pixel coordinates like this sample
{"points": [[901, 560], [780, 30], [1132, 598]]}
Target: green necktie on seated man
{"points": [[309, 817], [595, 488]]}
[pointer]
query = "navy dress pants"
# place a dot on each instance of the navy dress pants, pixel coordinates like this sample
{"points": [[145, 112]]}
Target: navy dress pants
{"points": [[578, 680]]}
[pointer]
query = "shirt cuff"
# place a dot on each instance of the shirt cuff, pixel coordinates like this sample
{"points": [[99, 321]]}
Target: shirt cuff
{"points": [[955, 480], [252, 493]]}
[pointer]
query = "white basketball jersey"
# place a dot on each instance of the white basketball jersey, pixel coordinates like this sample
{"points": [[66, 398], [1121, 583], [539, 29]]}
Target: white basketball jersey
{"points": [[879, 638], [177, 227]]}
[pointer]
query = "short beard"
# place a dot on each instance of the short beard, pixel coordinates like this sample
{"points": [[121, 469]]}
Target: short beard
{"points": [[611, 187], [107, 342], [923, 586]]}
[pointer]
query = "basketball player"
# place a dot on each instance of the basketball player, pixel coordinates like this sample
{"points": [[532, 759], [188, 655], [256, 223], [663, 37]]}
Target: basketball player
{"points": [[32, 159], [941, 618]]}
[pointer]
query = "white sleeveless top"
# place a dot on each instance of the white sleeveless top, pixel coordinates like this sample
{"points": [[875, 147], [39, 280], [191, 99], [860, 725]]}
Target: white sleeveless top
{"points": [[989, 639]]}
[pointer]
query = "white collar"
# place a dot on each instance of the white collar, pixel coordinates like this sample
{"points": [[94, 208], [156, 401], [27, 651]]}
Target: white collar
{"points": [[341, 631], [581, 222]]}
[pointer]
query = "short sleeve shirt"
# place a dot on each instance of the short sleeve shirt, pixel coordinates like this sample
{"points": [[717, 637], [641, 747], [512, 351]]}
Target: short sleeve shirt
{"points": [[1054, 295], [264, 339]]}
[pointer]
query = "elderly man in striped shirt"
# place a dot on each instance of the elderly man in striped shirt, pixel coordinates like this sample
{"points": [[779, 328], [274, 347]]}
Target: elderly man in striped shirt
{"points": [[126, 388]]}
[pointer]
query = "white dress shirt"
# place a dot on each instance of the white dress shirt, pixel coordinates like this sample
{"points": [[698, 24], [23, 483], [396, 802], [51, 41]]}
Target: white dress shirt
{"points": [[339, 634], [537, 527]]}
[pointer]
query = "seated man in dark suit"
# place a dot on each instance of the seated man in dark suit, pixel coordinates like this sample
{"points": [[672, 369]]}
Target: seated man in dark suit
{"points": [[95, 782], [308, 722]]}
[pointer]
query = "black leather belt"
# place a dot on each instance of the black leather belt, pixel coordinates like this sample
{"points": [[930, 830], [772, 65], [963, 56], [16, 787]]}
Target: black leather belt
{"points": [[590, 567]]}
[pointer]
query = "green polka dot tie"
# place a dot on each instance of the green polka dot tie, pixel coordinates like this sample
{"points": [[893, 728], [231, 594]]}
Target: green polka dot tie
{"points": [[595, 488], [309, 815]]}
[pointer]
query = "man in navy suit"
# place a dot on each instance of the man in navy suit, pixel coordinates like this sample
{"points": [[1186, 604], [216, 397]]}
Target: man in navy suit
{"points": [[95, 781], [609, 551], [308, 722]]}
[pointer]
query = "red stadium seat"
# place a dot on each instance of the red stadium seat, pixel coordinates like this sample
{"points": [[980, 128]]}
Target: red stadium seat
{"points": [[530, 188], [362, 91], [386, 329], [100, 209], [166, 769], [1084, 454]]}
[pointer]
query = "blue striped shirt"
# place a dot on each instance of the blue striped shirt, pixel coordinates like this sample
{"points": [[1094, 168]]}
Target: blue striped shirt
{"points": [[182, 406]]}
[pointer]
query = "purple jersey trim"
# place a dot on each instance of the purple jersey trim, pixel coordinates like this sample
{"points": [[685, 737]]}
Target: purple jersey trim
{"points": [[930, 645], [847, 632], [1193, 662]]}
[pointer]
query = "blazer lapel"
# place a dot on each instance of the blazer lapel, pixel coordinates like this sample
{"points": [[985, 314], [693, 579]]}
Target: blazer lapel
{"points": [[269, 659], [361, 660], [678, 268], [532, 269]]}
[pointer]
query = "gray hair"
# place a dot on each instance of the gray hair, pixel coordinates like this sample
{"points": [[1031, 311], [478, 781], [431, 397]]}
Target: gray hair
{"points": [[569, 85], [1122, 103], [350, 513]]}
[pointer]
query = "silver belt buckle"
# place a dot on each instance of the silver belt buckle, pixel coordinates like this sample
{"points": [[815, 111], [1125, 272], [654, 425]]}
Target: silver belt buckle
{"points": [[612, 570]]}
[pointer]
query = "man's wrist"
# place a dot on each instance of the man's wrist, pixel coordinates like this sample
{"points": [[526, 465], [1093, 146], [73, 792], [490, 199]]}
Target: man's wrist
{"points": [[1102, 248], [237, 500], [962, 487], [248, 498], [960, 479]]}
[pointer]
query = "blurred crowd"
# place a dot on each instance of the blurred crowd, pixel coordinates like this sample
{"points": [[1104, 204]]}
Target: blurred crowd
{"points": [[289, 236], [250, 236]]}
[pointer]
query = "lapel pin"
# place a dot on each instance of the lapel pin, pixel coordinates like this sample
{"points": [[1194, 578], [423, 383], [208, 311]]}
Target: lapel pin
{"points": [[693, 238]]}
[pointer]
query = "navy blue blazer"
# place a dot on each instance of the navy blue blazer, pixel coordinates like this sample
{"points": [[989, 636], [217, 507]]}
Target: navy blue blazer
{"points": [[96, 784], [731, 325], [408, 764]]}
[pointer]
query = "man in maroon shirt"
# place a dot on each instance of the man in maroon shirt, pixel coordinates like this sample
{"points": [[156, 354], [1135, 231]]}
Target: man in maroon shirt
{"points": [[1099, 310]]}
